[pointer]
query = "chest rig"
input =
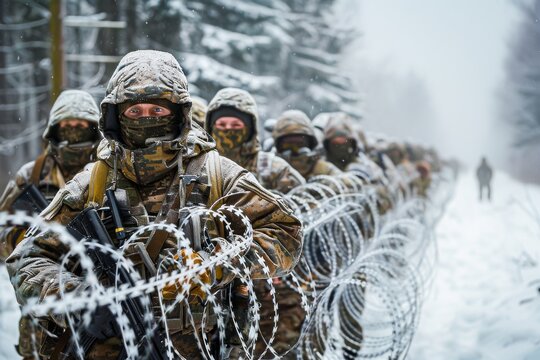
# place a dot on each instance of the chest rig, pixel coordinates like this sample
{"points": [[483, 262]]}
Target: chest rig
{"points": [[178, 194]]}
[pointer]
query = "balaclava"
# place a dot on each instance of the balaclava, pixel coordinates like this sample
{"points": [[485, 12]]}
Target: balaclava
{"points": [[229, 142], [147, 143]]}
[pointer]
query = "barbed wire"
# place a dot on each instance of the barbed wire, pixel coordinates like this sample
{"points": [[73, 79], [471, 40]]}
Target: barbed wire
{"points": [[359, 284]]}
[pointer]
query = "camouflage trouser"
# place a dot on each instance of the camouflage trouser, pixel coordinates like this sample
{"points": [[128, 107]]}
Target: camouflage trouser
{"points": [[111, 348], [186, 345], [289, 325], [27, 347]]}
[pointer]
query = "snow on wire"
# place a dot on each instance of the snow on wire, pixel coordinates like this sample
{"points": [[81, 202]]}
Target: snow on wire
{"points": [[359, 281]]}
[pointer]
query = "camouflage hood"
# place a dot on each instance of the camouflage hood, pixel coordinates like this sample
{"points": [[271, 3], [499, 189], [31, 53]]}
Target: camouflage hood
{"points": [[242, 101], [198, 110], [71, 104], [294, 122], [340, 124], [142, 75], [319, 124]]}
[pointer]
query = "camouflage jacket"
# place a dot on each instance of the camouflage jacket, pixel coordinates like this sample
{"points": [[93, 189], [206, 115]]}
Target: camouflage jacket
{"points": [[340, 124], [50, 180], [366, 168], [296, 122], [277, 237], [49, 177], [272, 172]]}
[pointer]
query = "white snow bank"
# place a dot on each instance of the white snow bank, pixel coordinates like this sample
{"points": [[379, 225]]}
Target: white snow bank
{"points": [[9, 317], [484, 303]]}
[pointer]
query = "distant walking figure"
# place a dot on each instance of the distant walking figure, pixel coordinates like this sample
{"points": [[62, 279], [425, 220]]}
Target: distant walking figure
{"points": [[484, 173]]}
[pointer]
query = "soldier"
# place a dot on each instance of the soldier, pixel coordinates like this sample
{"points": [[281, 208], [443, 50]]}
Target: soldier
{"points": [[407, 171], [296, 142], [345, 150], [319, 124], [199, 106], [72, 137], [484, 173], [232, 120], [423, 181], [149, 149]]}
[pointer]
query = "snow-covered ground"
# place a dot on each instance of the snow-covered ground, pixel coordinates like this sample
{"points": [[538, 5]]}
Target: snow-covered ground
{"points": [[9, 318], [484, 301]]}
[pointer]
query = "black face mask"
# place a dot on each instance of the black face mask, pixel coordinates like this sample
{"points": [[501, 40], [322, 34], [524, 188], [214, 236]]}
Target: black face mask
{"points": [[142, 132], [341, 154]]}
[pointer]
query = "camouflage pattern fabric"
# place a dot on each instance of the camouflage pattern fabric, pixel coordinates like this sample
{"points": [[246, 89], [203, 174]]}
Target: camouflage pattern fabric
{"points": [[136, 132], [146, 165], [272, 172], [422, 182], [76, 134], [296, 122], [227, 141], [198, 110], [277, 236], [341, 125], [71, 104]]}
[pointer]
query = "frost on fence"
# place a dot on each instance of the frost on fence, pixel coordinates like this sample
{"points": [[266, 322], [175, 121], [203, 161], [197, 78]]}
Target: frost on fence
{"points": [[357, 289]]}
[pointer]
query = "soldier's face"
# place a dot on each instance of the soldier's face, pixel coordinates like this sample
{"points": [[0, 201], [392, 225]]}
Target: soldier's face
{"points": [[146, 110], [73, 123], [75, 131], [339, 140], [293, 143], [229, 123]]}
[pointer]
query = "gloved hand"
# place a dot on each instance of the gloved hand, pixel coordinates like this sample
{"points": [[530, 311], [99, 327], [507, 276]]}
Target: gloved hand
{"points": [[185, 261]]}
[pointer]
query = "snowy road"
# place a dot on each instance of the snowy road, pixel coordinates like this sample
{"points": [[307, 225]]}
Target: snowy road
{"points": [[484, 302]]}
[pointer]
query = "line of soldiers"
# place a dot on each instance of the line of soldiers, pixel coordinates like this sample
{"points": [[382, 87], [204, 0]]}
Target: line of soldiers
{"points": [[146, 139]]}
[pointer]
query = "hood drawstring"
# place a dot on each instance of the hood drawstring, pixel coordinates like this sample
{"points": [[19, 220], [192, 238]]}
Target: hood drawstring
{"points": [[115, 165]]}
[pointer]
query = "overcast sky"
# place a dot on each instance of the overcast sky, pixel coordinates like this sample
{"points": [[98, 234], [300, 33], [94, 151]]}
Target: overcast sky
{"points": [[457, 47]]}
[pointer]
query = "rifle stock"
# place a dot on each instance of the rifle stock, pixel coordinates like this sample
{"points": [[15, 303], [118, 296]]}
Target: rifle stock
{"points": [[89, 227]]}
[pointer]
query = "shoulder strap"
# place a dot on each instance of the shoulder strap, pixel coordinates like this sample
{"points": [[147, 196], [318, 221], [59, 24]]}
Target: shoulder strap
{"points": [[215, 176], [98, 182], [172, 201], [38, 168]]}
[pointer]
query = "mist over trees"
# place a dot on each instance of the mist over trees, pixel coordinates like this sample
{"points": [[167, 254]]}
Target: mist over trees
{"points": [[395, 103], [520, 94]]}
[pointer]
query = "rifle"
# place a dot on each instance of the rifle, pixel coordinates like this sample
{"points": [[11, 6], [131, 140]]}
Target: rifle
{"points": [[30, 200], [88, 226]]}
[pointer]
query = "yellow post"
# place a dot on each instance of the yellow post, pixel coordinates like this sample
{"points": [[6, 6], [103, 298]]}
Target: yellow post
{"points": [[57, 49]]}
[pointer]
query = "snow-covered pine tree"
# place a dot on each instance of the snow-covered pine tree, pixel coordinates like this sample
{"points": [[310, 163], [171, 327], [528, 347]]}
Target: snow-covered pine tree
{"points": [[319, 40], [523, 77], [520, 105], [284, 52], [24, 79]]}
